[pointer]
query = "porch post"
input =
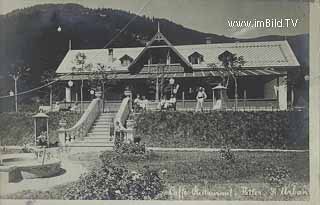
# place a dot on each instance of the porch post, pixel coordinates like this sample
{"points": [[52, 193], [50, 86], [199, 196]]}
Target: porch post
{"points": [[213, 99], [183, 103], [157, 89], [68, 94], [48, 133], [292, 96], [35, 131], [282, 96]]}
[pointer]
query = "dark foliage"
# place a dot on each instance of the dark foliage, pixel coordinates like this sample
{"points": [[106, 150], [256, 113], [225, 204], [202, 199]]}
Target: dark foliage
{"points": [[283, 130], [115, 182], [18, 128], [276, 176], [35, 29], [131, 148]]}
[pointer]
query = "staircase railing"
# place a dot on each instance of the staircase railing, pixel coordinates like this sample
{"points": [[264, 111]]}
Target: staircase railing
{"points": [[123, 112], [81, 128]]}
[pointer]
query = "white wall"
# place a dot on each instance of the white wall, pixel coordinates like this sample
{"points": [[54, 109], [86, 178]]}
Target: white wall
{"points": [[283, 101], [271, 88]]}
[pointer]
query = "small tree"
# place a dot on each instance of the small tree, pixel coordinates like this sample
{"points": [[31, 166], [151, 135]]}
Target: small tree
{"points": [[103, 75], [230, 65], [82, 66]]}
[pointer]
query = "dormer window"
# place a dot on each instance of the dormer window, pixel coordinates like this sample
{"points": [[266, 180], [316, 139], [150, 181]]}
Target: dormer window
{"points": [[126, 60], [195, 58]]}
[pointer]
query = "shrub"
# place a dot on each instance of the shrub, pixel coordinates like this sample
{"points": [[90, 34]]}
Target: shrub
{"points": [[275, 130], [276, 176], [114, 182], [131, 148], [227, 155]]}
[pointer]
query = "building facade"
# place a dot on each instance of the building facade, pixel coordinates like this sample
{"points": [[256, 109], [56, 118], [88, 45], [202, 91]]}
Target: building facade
{"points": [[262, 80]]}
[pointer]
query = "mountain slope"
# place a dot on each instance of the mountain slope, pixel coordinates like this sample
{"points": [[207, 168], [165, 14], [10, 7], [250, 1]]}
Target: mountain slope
{"points": [[30, 35]]}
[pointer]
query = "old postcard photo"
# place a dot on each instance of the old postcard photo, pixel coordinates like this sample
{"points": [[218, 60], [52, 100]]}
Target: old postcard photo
{"points": [[206, 101]]}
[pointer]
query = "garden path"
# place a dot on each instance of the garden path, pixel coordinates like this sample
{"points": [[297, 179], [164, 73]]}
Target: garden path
{"points": [[72, 170]]}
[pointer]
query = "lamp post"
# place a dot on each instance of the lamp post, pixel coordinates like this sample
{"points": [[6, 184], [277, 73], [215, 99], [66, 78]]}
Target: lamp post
{"points": [[92, 93], [68, 91], [171, 82], [15, 77]]}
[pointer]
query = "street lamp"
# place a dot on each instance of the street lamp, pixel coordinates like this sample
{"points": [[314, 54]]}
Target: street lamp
{"points": [[70, 83], [59, 29], [11, 93]]}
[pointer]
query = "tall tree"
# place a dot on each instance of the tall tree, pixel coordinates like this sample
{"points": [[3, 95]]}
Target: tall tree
{"points": [[230, 66]]}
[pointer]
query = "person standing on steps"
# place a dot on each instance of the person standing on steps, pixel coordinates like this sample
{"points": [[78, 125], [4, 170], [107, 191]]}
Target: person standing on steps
{"points": [[201, 96]]}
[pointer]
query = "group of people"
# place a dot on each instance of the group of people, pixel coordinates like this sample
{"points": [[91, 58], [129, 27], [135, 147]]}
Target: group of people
{"points": [[168, 104], [75, 107], [140, 103]]}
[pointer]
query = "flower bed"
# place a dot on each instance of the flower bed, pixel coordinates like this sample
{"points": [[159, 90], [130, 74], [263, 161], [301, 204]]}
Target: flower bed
{"points": [[277, 130]]}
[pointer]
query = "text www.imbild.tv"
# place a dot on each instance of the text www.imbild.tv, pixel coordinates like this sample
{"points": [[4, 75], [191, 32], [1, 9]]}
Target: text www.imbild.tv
{"points": [[265, 23]]}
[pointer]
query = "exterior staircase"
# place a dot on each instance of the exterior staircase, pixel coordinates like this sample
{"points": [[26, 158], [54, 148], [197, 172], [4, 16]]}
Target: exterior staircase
{"points": [[99, 133]]}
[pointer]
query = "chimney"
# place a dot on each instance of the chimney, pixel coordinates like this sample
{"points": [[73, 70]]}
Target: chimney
{"points": [[208, 40], [110, 55]]}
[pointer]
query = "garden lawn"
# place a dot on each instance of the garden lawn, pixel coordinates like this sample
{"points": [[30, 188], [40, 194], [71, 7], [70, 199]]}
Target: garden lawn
{"points": [[187, 172], [18, 128]]}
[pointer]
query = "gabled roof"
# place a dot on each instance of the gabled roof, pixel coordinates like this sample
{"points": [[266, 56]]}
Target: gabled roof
{"points": [[126, 57], [195, 54], [256, 55], [156, 38], [95, 56]]}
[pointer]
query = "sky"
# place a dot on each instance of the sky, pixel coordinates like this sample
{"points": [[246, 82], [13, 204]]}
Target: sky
{"points": [[210, 16]]}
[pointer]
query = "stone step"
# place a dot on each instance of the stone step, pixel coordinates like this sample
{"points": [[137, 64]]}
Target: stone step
{"points": [[102, 122], [94, 144], [106, 116], [97, 140], [99, 134], [99, 131], [101, 126]]}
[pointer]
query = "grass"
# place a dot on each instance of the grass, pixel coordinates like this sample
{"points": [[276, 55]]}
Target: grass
{"points": [[18, 128], [202, 175]]}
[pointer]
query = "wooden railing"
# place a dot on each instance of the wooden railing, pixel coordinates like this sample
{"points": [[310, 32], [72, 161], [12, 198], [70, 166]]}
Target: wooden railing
{"points": [[243, 105], [81, 128]]}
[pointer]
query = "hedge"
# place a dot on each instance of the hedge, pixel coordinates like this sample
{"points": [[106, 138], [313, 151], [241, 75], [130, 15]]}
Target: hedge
{"points": [[277, 130], [18, 128]]}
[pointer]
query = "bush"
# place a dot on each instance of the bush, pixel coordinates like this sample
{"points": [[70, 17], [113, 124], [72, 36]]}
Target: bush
{"points": [[227, 155], [277, 130], [276, 176], [131, 148], [115, 182]]}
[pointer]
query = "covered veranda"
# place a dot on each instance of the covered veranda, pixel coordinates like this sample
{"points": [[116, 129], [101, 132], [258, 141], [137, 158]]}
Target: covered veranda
{"points": [[264, 95]]}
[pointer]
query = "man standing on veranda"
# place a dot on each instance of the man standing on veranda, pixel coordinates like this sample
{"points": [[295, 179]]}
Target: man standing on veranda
{"points": [[201, 96]]}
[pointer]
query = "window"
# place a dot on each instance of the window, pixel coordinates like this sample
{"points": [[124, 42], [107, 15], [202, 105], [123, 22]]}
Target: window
{"points": [[126, 60], [195, 58]]}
